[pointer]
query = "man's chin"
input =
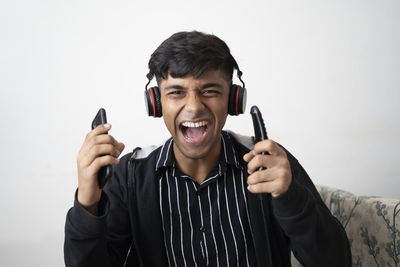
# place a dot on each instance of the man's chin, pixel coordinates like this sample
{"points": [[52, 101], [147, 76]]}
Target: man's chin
{"points": [[193, 153]]}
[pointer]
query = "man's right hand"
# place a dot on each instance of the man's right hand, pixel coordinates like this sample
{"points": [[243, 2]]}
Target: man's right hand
{"points": [[99, 149]]}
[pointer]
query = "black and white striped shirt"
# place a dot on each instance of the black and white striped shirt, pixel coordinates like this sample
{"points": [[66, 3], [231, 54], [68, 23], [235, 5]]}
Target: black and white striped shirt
{"points": [[206, 224]]}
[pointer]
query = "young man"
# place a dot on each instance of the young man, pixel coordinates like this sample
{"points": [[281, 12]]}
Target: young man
{"points": [[200, 198]]}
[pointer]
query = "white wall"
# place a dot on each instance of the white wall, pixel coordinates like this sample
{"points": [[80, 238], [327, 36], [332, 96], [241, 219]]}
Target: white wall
{"points": [[324, 73]]}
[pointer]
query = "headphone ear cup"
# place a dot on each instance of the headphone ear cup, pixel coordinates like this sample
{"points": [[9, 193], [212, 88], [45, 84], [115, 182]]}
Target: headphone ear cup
{"points": [[237, 100], [153, 102]]}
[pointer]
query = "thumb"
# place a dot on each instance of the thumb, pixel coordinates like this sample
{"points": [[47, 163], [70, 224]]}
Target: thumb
{"points": [[120, 146]]}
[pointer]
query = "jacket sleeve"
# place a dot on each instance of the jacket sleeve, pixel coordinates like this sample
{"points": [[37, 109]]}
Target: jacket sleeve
{"points": [[317, 238], [102, 240]]}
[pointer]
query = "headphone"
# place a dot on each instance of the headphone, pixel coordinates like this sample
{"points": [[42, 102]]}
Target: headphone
{"points": [[236, 103]]}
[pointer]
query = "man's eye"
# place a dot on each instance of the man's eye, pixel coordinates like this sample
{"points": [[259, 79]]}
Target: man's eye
{"points": [[210, 92], [175, 92]]}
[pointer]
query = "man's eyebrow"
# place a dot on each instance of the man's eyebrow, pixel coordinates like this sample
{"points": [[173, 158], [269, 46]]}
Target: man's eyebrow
{"points": [[208, 85], [174, 86], [204, 86]]}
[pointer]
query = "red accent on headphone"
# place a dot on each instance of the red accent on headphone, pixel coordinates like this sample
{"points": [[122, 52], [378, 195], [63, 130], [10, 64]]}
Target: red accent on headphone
{"points": [[237, 98], [154, 106]]}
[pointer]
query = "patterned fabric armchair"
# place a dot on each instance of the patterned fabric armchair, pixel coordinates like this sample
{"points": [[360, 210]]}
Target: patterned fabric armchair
{"points": [[372, 225]]}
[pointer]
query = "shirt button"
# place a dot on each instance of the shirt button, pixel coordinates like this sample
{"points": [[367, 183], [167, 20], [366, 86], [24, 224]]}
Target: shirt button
{"points": [[203, 228]]}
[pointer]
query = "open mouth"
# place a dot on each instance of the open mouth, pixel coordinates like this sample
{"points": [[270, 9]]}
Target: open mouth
{"points": [[194, 132]]}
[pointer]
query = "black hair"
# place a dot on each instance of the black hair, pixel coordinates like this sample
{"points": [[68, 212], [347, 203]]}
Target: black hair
{"points": [[191, 53]]}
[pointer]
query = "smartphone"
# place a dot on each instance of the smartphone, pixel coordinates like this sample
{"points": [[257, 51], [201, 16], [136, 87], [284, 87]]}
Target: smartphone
{"points": [[105, 172], [259, 128]]}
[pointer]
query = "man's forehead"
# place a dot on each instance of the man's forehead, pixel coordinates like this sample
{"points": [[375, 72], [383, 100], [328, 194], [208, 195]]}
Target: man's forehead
{"points": [[210, 76]]}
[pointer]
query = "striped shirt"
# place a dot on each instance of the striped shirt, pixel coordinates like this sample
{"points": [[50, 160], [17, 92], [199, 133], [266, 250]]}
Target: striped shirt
{"points": [[205, 224]]}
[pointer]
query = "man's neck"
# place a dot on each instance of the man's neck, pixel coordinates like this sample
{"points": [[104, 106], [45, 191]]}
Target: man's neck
{"points": [[198, 169]]}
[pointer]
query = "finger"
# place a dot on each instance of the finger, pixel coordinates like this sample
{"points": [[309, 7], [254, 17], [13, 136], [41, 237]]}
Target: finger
{"points": [[266, 187], [100, 129], [260, 160], [248, 156], [97, 151], [261, 176], [276, 187], [96, 140], [104, 139], [120, 147], [268, 146], [101, 162]]}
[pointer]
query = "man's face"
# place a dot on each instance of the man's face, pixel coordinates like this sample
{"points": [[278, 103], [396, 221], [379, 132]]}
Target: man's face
{"points": [[194, 111]]}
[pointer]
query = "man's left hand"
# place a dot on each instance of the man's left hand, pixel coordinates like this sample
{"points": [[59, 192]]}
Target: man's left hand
{"points": [[277, 176]]}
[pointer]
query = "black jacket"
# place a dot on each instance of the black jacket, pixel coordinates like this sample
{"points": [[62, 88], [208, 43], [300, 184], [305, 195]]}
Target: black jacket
{"points": [[128, 231]]}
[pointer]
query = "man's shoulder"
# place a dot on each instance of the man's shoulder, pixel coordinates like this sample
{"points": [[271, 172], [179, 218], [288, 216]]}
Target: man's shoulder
{"points": [[145, 152], [248, 143], [243, 140]]}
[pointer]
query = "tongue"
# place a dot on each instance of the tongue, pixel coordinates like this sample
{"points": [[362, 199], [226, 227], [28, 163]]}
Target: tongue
{"points": [[195, 133]]}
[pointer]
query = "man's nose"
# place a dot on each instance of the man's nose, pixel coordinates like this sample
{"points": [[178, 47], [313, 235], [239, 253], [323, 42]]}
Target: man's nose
{"points": [[194, 103]]}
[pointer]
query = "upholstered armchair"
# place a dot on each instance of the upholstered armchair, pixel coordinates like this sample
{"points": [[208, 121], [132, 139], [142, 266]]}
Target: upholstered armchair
{"points": [[372, 225]]}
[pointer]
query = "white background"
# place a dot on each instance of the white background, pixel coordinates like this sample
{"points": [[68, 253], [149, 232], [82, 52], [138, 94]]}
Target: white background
{"points": [[325, 74]]}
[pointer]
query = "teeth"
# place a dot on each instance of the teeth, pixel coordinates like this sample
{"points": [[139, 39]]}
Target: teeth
{"points": [[194, 124]]}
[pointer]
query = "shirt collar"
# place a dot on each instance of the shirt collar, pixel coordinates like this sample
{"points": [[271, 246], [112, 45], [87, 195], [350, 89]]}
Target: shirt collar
{"points": [[165, 157], [228, 156]]}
